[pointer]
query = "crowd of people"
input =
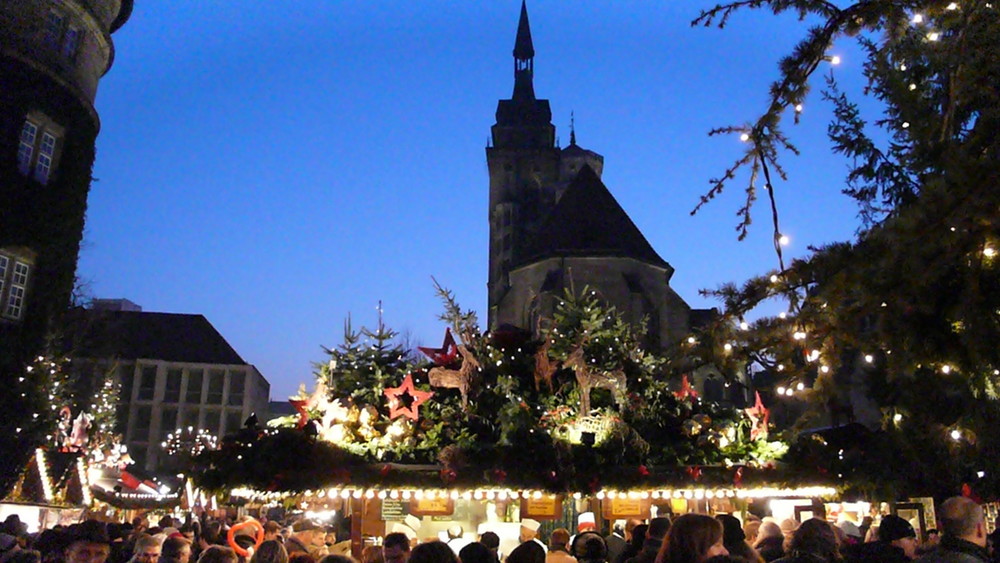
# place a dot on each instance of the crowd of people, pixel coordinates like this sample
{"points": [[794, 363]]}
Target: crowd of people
{"points": [[689, 538]]}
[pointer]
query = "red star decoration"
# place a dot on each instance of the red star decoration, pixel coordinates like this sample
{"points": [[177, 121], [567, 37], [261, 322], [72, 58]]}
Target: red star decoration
{"points": [[686, 391], [758, 418], [446, 354], [694, 472], [396, 406], [300, 407]]}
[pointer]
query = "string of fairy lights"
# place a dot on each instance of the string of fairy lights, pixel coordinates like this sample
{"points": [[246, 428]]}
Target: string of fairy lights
{"points": [[924, 26]]}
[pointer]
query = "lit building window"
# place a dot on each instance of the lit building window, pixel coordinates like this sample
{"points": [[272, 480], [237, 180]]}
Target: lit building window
{"points": [[38, 148]]}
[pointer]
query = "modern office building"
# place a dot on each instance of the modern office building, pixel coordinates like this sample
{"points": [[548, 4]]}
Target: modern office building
{"points": [[175, 370]]}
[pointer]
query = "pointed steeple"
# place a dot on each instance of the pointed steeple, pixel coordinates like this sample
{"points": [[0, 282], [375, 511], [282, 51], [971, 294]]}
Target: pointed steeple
{"points": [[524, 54], [572, 129], [523, 49]]}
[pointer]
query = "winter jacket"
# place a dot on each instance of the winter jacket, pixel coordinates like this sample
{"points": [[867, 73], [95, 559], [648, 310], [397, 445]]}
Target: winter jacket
{"points": [[954, 550]]}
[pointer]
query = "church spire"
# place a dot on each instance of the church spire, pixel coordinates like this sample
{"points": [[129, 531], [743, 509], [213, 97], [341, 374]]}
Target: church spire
{"points": [[524, 54]]}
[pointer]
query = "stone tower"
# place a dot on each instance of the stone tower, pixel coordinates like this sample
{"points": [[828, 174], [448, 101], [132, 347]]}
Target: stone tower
{"points": [[52, 55], [555, 225]]}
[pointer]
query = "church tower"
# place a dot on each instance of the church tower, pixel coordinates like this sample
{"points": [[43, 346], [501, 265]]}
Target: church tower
{"points": [[523, 165]]}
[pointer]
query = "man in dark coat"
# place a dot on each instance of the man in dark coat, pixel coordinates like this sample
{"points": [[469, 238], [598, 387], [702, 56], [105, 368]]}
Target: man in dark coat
{"points": [[658, 528], [963, 533]]}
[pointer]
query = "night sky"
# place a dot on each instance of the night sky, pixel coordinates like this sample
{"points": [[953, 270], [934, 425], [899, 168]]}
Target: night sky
{"points": [[277, 166]]}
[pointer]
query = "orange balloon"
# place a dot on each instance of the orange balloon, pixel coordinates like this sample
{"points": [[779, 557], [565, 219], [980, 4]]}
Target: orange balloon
{"points": [[258, 536]]}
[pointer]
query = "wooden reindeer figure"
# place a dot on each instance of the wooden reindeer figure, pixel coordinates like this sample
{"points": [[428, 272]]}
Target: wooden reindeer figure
{"points": [[588, 378], [457, 378], [545, 368]]}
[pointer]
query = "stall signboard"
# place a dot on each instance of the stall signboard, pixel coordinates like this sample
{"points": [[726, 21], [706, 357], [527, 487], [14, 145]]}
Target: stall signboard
{"points": [[432, 507], [619, 508], [545, 508], [394, 509]]}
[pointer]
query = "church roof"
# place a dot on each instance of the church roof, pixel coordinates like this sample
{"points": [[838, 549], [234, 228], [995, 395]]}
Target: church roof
{"points": [[171, 337], [588, 221], [523, 48]]}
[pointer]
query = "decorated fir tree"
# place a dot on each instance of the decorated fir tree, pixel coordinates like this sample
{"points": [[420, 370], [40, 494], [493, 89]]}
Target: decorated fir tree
{"points": [[906, 315]]}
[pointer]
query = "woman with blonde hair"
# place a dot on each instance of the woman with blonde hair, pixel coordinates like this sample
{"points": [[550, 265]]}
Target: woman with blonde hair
{"points": [[692, 538]]}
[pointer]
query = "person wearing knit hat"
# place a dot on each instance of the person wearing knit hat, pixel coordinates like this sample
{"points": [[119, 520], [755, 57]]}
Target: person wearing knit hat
{"points": [[87, 542], [897, 542]]}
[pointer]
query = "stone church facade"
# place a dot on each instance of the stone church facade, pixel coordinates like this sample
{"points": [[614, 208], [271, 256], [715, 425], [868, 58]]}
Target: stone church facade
{"points": [[555, 225]]}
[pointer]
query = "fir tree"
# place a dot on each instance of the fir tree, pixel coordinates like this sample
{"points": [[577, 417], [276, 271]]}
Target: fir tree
{"points": [[909, 313]]}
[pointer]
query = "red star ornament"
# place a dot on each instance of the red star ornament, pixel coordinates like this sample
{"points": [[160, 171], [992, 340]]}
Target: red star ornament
{"points": [[758, 418], [686, 391], [300, 408], [396, 406], [446, 354]]}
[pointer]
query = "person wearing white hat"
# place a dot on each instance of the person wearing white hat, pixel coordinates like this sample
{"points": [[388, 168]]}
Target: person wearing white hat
{"points": [[529, 532], [410, 526]]}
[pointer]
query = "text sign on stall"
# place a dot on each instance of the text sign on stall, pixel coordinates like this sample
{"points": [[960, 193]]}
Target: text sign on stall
{"points": [[431, 507], [545, 508], [393, 509], [618, 508]]}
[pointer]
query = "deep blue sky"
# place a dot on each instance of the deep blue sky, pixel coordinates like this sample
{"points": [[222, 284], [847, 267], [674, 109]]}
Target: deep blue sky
{"points": [[276, 166]]}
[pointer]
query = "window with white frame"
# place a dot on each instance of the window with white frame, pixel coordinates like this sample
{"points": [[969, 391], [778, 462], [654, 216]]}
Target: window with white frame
{"points": [[14, 275], [26, 148], [38, 147], [18, 285]]}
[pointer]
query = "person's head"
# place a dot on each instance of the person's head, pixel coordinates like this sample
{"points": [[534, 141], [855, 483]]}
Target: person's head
{"points": [[270, 551], [815, 537], [492, 541], [455, 532], [87, 542], [768, 529], [309, 532], [527, 552], [336, 558], [529, 529], [933, 537], [396, 548], [476, 552], [590, 547], [147, 549], [212, 532], [176, 547], [962, 518], [433, 552], [372, 554], [692, 538], [750, 529], [271, 530], [218, 554], [630, 525], [732, 532], [788, 527], [898, 532], [638, 536], [559, 539]]}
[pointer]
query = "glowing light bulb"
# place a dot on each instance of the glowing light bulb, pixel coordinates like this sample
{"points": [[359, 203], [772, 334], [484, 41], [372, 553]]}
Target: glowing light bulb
{"points": [[897, 417], [906, 125], [744, 325], [913, 87], [989, 252], [869, 358], [781, 390], [824, 369], [798, 108], [946, 369], [902, 66], [835, 60], [918, 18], [956, 435], [728, 347], [952, 6], [774, 278], [784, 240], [800, 386], [933, 36]]}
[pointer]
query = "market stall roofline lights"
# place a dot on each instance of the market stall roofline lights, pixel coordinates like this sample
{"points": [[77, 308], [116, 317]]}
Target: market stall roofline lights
{"points": [[494, 493]]}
